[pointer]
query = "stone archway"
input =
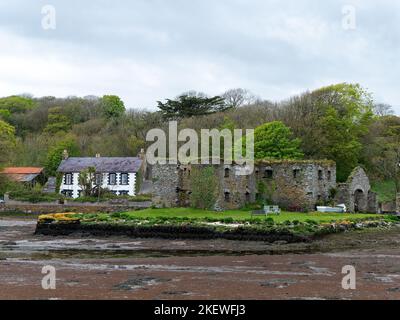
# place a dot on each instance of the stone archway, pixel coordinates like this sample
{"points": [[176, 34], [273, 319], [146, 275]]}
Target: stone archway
{"points": [[360, 201]]}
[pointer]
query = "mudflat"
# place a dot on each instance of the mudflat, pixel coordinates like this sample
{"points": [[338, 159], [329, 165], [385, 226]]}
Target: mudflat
{"points": [[125, 268]]}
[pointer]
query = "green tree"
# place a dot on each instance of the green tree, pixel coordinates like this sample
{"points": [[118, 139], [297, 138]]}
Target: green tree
{"points": [[384, 149], [190, 106], [331, 123], [57, 121], [275, 140], [346, 115], [339, 144], [7, 141], [55, 154], [16, 104], [5, 114], [113, 106], [87, 181], [204, 186]]}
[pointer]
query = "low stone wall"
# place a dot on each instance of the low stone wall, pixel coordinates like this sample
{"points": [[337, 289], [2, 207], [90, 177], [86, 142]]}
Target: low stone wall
{"points": [[46, 208], [388, 207]]}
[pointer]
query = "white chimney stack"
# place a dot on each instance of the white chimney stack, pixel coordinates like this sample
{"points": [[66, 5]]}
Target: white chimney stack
{"points": [[65, 154]]}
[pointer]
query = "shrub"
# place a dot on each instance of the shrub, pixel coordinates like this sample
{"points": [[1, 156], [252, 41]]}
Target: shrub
{"points": [[107, 196], [34, 196], [269, 221], [228, 220], [204, 188]]}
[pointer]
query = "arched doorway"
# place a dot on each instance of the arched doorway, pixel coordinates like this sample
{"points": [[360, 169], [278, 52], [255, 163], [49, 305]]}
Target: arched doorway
{"points": [[360, 201]]}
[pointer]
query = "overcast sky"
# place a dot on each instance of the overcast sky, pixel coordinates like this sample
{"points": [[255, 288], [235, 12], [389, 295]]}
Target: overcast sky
{"points": [[148, 50]]}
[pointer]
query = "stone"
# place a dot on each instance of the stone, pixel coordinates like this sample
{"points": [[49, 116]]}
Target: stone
{"points": [[290, 184], [293, 185], [356, 193]]}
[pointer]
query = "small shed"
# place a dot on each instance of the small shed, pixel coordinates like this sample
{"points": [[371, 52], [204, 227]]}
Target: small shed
{"points": [[26, 175]]}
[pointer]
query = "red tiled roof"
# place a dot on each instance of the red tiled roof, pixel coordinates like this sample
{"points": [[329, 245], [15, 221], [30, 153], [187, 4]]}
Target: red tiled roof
{"points": [[22, 170]]}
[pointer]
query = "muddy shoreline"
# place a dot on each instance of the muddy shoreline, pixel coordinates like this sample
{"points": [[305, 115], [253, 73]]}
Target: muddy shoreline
{"points": [[119, 267]]}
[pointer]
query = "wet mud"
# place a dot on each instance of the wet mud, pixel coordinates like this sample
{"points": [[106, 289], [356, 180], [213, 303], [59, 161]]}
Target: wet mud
{"points": [[89, 267]]}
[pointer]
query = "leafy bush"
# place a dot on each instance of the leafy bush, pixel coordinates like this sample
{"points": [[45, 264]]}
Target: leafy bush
{"points": [[392, 218], [204, 188], [110, 196], [228, 220], [309, 221], [34, 196]]}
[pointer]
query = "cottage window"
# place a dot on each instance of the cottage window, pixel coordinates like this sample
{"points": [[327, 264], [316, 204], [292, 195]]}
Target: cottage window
{"points": [[296, 173], [124, 179], [268, 174], [112, 179], [248, 197], [124, 193], [329, 175], [99, 179], [320, 175], [68, 179]]}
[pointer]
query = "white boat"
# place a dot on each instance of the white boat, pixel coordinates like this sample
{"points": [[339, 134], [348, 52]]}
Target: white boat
{"points": [[331, 209]]}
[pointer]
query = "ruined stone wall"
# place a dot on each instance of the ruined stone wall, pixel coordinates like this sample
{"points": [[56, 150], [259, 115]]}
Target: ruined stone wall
{"points": [[388, 207], [236, 189], [373, 203], [356, 193], [343, 194], [359, 182], [297, 185], [398, 203], [294, 185], [165, 181]]}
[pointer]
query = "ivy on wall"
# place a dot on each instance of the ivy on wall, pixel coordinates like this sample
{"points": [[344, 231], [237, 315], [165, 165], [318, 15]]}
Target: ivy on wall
{"points": [[204, 187]]}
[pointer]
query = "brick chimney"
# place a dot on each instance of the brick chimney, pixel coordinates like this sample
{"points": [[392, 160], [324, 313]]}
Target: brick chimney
{"points": [[142, 154]]}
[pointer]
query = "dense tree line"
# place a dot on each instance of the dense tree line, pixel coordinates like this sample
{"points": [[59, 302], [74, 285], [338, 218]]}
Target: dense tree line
{"points": [[339, 122]]}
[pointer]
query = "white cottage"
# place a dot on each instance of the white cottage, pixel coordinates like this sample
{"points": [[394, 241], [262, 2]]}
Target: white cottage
{"points": [[115, 174]]}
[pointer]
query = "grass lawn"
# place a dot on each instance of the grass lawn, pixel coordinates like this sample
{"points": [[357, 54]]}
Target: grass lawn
{"points": [[202, 224], [243, 215]]}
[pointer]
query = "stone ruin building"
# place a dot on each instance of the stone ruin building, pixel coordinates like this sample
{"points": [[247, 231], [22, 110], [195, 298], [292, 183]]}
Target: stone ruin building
{"points": [[293, 185], [356, 193], [296, 185]]}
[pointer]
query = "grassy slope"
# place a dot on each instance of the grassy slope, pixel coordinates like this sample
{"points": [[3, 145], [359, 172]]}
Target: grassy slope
{"points": [[386, 190], [241, 215]]}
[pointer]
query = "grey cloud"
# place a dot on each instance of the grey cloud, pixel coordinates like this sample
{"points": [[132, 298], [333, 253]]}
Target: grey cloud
{"points": [[274, 48]]}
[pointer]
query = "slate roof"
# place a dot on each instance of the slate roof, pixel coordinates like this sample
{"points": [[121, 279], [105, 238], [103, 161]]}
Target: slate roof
{"points": [[102, 164]]}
